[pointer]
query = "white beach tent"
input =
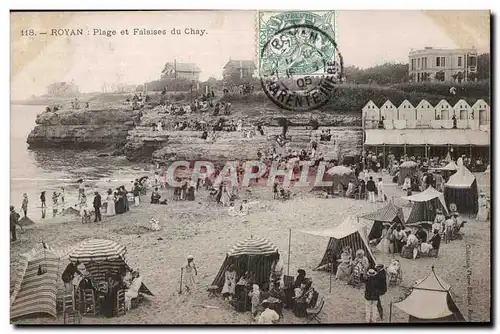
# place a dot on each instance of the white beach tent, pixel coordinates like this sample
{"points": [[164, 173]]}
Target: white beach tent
{"points": [[451, 166], [352, 232], [430, 300], [425, 204]]}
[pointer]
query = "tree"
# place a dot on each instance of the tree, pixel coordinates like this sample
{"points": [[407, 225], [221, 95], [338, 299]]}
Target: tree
{"points": [[483, 66], [439, 76], [460, 76], [386, 74], [62, 89]]}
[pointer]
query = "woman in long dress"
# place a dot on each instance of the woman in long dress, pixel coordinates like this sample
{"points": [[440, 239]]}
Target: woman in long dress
{"points": [[384, 246], [229, 287], [483, 212], [189, 274], [110, 199]]}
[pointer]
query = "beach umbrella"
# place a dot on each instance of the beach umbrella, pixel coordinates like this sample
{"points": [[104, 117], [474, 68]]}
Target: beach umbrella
{"points": [[97, 250], [339, 170], [408, 164]]}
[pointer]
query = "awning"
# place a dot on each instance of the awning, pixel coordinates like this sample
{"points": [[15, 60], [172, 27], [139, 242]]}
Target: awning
{"points": [[347, 227], [433, 137]]}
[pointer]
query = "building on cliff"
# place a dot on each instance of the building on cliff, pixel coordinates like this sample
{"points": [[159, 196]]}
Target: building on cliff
{"points": [[447, 65], [177, 70], [427, 130], [237, 71]]}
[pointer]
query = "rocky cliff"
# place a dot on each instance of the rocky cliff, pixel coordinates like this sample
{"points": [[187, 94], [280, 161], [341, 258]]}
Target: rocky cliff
{"points": [[83, 128]]}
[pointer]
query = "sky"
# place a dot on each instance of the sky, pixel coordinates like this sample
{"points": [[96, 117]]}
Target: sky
{"points": [[365, 38]]}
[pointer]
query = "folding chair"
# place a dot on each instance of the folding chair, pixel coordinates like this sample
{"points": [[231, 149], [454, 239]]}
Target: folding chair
{"points": [[313, 313], [70, 314]]}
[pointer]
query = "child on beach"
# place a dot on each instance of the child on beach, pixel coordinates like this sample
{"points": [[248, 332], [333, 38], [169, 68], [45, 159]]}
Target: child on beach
{"points": [[190, 273]]}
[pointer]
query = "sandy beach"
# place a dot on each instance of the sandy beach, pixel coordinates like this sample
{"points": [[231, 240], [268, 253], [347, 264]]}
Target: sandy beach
{"points": [[206, 231]]}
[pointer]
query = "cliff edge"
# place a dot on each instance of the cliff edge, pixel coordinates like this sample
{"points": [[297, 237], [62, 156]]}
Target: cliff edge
{"points": [[82, 128]]}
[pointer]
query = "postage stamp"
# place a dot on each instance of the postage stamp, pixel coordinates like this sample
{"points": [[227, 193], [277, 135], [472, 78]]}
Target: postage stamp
{"points": [[300, 62]]}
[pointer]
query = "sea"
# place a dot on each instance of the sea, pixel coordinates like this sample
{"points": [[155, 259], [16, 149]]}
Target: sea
{"points": [[50, 170]]}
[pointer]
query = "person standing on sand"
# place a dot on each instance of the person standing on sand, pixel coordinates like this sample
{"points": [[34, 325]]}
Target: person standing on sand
{"points": [[370, 187], [189, 275], [97, 207], [110, 200], [62, 194], [42, 199], [14, 218], [24, 205], [371, 297], [54, 203]]}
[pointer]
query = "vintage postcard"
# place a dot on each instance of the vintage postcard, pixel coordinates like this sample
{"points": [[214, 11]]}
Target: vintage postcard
{"points": [[250, 167]]}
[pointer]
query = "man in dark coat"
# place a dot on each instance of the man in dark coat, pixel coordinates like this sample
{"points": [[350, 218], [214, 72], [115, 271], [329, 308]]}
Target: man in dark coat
{"points": [[371, 296], [14, 218], [381, 278], [97, 207], [371, 187]]}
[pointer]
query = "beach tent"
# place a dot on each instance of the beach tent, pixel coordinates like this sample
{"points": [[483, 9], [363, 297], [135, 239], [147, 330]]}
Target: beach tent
{"points": [[256, 254], [451, 166], [407, 168], [484, 181], [102, 257], [391, 213], [425, 204], [430, 300], [351, 232], [35, 284], [461, 189]]}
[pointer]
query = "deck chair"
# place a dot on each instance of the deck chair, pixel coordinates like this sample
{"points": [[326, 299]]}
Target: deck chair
{"points": [[313, 313]]}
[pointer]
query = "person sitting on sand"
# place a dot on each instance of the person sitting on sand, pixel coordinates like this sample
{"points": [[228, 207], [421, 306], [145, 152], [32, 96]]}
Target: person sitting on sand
{"points": [[344, 269], [155, 196], [268, 316]]}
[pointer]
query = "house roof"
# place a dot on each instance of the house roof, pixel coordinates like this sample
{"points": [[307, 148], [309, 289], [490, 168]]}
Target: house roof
{"points": [[184, 67], [239, 64]]}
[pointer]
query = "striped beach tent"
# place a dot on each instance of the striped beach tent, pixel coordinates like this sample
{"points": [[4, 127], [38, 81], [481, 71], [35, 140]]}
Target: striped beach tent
{"points": [[254, 254], [391, 213], [97, 250], [102, 257], [35, 284]]}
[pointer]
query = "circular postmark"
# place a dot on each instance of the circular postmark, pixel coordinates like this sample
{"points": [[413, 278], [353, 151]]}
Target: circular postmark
{"points": [[300, 66]]}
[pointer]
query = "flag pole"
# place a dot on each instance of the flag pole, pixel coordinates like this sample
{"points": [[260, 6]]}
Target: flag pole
{"points": [[390, 312], [289, 247]]}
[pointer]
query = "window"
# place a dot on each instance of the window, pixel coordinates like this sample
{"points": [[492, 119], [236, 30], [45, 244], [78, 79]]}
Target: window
{"points": [[440, 62], [418, 61], [424, 62], [472, 61], [413, 64], [459, 61]]}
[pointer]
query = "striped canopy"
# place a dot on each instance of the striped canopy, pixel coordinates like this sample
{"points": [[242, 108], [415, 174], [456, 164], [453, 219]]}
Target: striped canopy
{"points": [[253, 246], [386, 214], [97, 250]]}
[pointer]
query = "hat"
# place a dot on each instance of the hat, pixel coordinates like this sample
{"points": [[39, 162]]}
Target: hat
{"points": [[371, 272], [190, 257]]}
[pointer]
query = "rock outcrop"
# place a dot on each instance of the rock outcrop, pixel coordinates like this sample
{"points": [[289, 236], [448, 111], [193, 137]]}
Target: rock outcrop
{"points": [[187, 145], [83, 128]]}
